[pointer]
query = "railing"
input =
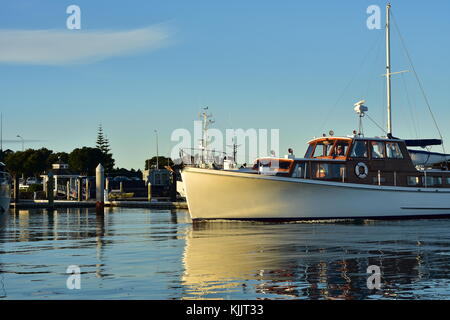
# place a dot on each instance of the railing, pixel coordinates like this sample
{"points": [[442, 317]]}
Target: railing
{"points": [[202, 157]]}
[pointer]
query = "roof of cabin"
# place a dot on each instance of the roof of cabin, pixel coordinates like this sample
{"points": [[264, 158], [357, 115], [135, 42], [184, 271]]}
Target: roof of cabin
{"points": [[354, 138]]}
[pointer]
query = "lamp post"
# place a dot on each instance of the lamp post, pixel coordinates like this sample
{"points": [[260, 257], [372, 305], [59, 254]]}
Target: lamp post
{"points": [[157, 150], [18, 136]]}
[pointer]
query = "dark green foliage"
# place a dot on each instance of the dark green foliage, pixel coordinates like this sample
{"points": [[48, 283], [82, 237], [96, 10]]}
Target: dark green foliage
{"points": [[103, 145], [29, 163], [86, 159], [162, 161]]}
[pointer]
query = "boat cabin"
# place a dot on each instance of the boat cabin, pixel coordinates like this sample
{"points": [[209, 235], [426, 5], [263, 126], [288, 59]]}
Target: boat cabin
{"points": [[379, 161]]}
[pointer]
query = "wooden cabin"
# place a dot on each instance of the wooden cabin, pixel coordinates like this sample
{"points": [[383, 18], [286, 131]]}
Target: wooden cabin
{"points": [[376, 161]]}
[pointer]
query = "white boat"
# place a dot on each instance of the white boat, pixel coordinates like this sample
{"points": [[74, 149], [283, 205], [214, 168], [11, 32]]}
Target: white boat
{"points": [[338, 178], [5, 189]]}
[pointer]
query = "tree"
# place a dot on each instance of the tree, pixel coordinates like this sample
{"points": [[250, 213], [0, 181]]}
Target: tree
{"points": [[103, 145], [28, 163], [4, 153], [15, 162], [102, 141], [36, 161], [162, 161], [86, 159]]}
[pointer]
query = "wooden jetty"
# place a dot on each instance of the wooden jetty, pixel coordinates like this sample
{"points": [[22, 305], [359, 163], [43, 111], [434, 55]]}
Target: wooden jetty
{"points": [[58, 204]]}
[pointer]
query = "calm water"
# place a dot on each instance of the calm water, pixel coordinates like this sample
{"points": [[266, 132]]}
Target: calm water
{"points": [[147, 254]]}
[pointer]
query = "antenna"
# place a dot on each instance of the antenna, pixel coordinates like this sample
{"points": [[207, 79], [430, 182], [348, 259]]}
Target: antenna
{"points": [[235, 146], [360, 109]]}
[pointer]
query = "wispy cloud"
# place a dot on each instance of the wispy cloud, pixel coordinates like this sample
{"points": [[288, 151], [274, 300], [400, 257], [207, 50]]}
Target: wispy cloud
{"points": [[56, 47]]}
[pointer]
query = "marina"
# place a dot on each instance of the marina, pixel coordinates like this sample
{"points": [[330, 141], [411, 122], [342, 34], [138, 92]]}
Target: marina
{"points": [[282, 195]]}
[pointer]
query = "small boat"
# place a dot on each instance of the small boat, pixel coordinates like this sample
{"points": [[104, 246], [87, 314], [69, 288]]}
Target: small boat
{"points": [[338, 178], [5, 189]]}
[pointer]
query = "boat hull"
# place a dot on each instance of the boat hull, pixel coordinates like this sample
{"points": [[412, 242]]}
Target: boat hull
{"points": [[216, 194]]}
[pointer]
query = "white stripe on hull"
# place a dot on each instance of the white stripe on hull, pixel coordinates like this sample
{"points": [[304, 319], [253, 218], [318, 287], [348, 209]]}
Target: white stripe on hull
{"points": [[213, 194]]}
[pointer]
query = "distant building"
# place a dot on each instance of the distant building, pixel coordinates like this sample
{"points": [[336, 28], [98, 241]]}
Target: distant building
{"points": [[61, 174], [160, 179]]}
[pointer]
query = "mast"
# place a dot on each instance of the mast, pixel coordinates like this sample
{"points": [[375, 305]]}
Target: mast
{"points": [[388, 69], [206, 121]]}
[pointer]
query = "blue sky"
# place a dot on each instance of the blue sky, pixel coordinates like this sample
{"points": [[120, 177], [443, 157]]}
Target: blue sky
{"points": [[297, 66]]}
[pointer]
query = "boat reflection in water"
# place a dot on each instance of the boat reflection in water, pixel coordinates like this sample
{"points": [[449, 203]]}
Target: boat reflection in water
{"points": [[311, 261]]}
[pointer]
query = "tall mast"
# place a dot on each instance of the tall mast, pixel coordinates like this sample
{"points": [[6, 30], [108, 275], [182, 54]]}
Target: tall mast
{"points": [[206, 121], [388, 69]]}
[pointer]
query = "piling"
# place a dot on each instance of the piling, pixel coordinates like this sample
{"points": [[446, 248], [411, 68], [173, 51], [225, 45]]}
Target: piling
{"points": [[121, 186], [100, 189], [68, 190], [149, 190], [79, 190], [173, 187], [50, 189], [87, 189], [16, 188]]}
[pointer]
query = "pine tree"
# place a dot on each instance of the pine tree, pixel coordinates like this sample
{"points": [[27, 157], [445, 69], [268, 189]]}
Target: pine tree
{"points": [[103, 145], [102, 141]]}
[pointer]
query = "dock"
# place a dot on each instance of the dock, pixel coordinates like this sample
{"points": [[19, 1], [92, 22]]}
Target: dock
{"points": [[60, 204]]}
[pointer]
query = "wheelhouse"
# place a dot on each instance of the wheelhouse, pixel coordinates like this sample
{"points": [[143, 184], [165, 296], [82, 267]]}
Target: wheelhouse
{"points": [[329, 148]]}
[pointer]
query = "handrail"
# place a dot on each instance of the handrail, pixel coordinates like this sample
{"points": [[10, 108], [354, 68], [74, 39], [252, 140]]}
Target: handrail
{"points": [[198, 156]]}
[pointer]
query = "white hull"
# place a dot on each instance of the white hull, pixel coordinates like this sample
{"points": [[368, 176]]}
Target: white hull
{"points": [[215, 194]]}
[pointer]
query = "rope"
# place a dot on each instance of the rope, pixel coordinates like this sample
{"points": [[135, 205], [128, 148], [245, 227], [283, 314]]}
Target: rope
{"points": [[384, 131], [413, 118]]}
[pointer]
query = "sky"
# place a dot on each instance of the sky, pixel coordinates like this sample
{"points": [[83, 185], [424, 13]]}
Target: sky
{"points": [[139, 66]]}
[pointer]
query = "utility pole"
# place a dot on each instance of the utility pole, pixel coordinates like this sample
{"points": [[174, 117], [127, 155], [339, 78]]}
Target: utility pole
{"points": [[157, 151], [18, 136]]}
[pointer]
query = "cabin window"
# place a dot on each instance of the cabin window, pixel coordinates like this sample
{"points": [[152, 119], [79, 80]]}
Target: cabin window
{"points": [[377, 149], [270, 166], [359, 149], [322, 148], [413, 181], [300, 171], [393, 150], [340, 149], [382, 180], [431, 181], [309, 152], [319, 151], [327, 171]]}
